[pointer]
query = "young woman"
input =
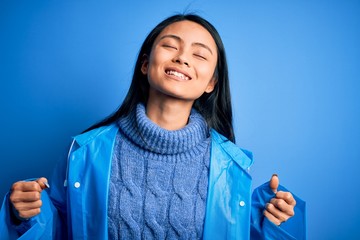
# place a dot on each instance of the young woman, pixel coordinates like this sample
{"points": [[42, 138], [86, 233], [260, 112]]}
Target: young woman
{"points": [[164, 166]]}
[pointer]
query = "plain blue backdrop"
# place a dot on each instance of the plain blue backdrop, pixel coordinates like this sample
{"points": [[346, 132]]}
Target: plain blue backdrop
{"points": [[294, 72]]}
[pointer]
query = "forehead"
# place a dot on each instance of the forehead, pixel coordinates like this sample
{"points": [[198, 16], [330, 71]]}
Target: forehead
{"points": [[189, 31]]}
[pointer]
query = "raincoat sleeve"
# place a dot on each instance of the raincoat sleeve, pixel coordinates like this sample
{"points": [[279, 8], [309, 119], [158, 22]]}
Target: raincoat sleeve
{"points": [[38, 227], [49, 224], [262, 228]]}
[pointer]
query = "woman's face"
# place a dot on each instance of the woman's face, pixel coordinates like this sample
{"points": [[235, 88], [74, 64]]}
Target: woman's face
{"points": [[182, 62]]}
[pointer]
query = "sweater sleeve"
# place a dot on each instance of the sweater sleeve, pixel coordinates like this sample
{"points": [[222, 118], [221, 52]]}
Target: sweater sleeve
{"points": [[262, 228]]}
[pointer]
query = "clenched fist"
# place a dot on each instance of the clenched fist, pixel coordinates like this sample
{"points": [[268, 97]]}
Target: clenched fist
{"points": [[26, 197], [281, 207]]}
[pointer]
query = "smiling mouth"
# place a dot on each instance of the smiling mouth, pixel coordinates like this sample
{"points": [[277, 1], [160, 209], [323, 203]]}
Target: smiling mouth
{"points": [[177, 74]]}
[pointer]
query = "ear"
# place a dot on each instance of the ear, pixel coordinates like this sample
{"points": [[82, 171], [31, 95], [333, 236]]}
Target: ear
{"points": [[144, 64], [211, 85]]}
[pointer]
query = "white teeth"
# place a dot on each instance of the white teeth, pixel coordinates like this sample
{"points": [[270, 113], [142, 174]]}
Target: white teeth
{"points": [[177, 74]]}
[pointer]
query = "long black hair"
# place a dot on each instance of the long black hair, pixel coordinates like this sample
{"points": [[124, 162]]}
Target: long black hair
{"points": [[215, 107]]}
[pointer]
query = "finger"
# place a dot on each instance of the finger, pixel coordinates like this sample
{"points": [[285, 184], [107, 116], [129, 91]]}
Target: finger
{"points": [[26, 186], [271, 217], [16, 197], [283, 206], [287, 197], [274, 183], [26, 206], [279, 215], [43, 182], [29, 213]]}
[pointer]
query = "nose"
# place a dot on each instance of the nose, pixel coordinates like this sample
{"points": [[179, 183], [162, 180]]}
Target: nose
{"points": [[181, 59]]}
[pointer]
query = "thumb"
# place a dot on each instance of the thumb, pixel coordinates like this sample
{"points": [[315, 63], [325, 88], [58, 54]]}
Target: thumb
{"points": [[43, 182], [274, 183]]}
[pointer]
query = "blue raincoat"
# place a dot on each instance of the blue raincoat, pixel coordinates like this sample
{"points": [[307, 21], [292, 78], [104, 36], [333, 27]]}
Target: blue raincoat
{"points": [[75, 207]]}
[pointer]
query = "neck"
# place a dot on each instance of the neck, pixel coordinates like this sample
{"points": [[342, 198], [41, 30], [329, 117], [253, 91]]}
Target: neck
{"points": [[168, 113]]}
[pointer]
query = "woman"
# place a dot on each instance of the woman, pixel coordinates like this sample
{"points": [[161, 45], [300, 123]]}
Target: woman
{"points": [[164, 165]]}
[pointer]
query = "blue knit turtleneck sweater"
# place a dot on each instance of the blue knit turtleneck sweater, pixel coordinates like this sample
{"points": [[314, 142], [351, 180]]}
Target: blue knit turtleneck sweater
{"points": [[159, 179]]}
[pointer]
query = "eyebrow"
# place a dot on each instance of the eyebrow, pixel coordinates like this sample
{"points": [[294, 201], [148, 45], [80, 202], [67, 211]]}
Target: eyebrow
{"points": [[193, 44]]}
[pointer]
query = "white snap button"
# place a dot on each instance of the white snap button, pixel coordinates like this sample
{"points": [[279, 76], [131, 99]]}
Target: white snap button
{"points": [[242, 203], [77, 185]]}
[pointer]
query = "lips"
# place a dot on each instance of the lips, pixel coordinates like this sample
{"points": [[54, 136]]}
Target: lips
{"points": [[178, 74]]}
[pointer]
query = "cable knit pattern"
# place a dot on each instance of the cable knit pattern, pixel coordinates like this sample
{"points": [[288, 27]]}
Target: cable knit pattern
{"points": [[159, 179]]}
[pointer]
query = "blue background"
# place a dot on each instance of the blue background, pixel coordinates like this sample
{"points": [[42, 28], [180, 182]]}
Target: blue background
{"points": [[295, 78]]}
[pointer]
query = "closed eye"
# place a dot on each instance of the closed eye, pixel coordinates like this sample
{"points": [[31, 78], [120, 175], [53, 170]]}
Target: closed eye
{"points": [[200, 56], [169, 46]]}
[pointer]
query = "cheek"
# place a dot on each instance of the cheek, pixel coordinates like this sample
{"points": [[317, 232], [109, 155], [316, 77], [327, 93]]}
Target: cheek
{"points": [[154, 65], [158, 55], [206, 71]]}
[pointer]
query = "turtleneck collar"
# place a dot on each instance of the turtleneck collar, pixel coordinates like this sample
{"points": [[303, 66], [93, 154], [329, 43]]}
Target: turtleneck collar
{"points": [[146, 134]]}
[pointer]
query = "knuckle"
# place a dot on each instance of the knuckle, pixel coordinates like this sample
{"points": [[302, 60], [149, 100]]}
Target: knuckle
{"points": [[34, 185], [270, 206], [13, 198], [39, 203], [279, 193], [42, 179], [281, 204], [19, 208], [16, 186], [288, 196], [266, 213], [292, 213], [282, 218], [36, 195], [277, 222]]}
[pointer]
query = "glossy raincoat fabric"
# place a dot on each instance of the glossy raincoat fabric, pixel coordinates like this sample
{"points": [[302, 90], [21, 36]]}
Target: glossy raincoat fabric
{"points": [[75, 207]]}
